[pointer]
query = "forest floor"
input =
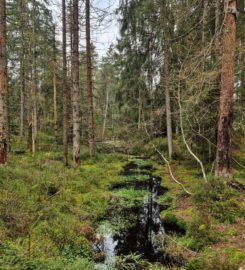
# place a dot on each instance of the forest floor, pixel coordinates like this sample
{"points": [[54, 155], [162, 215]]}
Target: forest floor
{"points": [[49, 213]]}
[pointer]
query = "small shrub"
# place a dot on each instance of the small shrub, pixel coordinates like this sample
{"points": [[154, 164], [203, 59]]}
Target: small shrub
{"points": [[201, 232]]}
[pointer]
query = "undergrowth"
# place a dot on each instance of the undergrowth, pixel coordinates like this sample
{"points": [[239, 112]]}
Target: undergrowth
{"points": [[44, 207]]}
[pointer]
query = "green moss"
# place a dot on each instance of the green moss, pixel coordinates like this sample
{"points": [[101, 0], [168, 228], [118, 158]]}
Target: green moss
{"points": [[173, 223], [219, 200], [201, 231], [134, 177], [43, 199], [129, 197], [165, 200], [142, 162], [195, 264]]}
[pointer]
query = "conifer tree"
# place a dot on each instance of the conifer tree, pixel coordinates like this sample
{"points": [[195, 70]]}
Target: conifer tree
{"points": [[75, 85], [3, 85], [224, 137], [89, 83]]}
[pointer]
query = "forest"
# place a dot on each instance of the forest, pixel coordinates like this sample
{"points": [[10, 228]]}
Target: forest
{"points": [[129, 156]]}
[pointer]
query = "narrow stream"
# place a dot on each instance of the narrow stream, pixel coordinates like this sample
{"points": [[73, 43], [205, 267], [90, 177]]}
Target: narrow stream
{"points": [[133, 224]]}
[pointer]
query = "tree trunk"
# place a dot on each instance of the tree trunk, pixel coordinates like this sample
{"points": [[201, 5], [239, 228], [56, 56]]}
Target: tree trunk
{"points": [[89, 83], [33, 82], [166, 81], [64, 86], [55, 89], [3, 85], [217, 14], [224, 137], [22, 72], [204, 19], [75, 85], [22, 97], [106, 109]]}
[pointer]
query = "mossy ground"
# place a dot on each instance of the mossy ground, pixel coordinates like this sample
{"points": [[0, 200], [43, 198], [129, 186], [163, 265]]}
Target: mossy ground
{"points": [[45, 206], [214, 217], [48, 212]]}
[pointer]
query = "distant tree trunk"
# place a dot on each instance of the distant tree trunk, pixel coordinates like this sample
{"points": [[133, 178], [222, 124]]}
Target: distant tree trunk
{"points": [[22, 72], [55, 88], [204, 19], [22, 97], [75, 85], [3, 85], [64, 86], [166, 80], [224, 137], [217, 14], [89, 83], [34, 83], [139, 109], [106, 109]]}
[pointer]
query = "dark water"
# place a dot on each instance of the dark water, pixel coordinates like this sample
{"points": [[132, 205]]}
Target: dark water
{"points": [[145, 226]]}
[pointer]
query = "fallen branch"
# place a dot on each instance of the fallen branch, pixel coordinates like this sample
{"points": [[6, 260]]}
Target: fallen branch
{"points": [[184, 140], [168, 165]]}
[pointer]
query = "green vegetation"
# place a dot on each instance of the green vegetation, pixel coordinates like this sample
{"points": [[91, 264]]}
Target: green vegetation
{"points": [[154, 128], [132, 178], [219, 200], [44, 207]]}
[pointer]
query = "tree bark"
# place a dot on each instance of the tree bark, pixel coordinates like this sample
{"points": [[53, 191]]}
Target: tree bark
{"points": [[75, 85], [224, 137], [106, 109], [3, 85], [204, 19], [22, 72], [55, 89], [89, 83], [166, 81], [33, 123], [22, 97], [217, 14], [64, 86]]}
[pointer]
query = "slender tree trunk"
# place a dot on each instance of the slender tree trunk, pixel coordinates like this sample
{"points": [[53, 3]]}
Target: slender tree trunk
{"points": [[89, 83], [55, 89], [3, 85], [106, 110], [204, 19], [139, 109], [64, 86], [22, 97], [217, 14], [75, 85], [223, 154], [33, 82], [166, 81], [22, 72]]}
